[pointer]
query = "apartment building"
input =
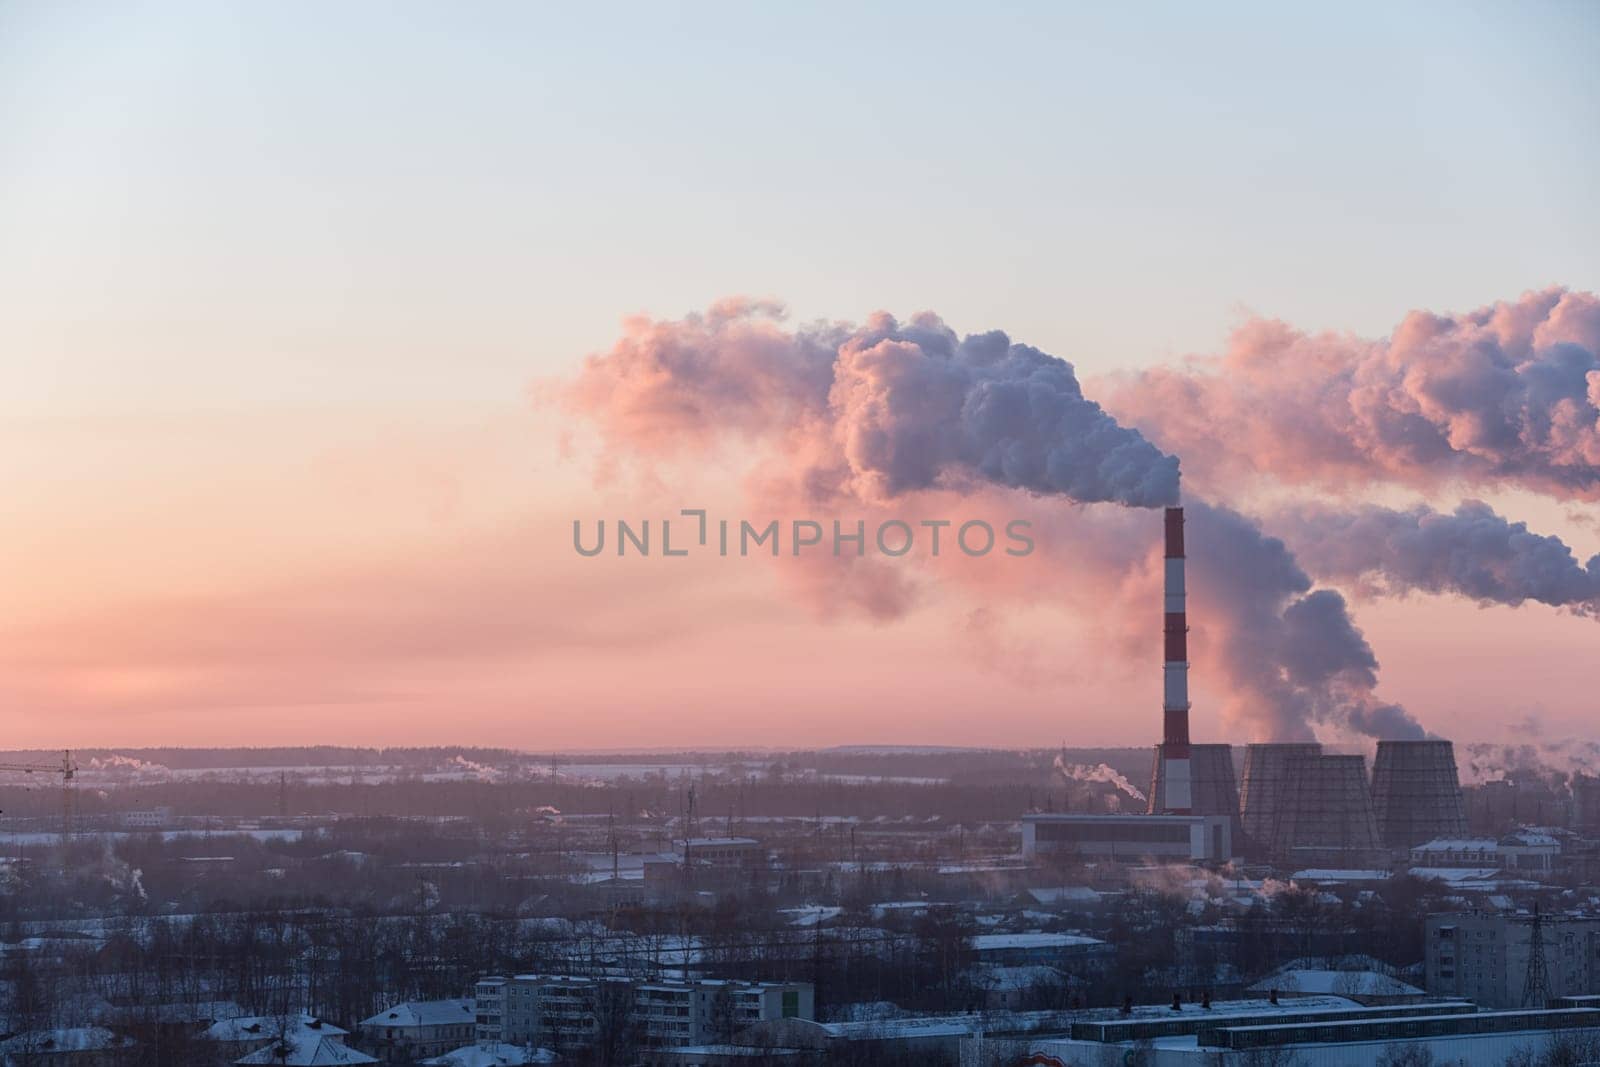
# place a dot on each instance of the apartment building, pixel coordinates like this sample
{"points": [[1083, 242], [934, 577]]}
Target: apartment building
{"points": [[564, 1011], [1483, 957]]}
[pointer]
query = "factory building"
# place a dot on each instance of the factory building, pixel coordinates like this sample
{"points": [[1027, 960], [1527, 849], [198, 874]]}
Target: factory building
{"points": [[1194, 802], [1298, 804], [1134, 838], [1315, 1032]]}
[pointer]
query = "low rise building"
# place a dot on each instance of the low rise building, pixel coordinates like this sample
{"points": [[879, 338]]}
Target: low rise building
{"points": [[147, 819], [1522, 852], [1068, 951], [418, 1029]]}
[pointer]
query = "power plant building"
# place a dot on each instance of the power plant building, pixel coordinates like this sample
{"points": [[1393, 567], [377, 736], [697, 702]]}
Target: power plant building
{"points": [[1194, 802], [1297, 803]]}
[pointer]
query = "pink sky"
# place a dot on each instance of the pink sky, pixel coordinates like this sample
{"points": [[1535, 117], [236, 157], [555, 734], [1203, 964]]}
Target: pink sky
{"points": [[380, 578], [274, 300]]}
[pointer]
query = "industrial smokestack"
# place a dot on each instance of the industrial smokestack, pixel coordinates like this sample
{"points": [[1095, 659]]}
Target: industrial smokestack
{"points": [[1177, 794]]}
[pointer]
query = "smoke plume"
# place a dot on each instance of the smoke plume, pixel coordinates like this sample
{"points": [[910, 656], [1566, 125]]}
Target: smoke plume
{"points": [[1506, 395], [882, 408], [832, 414], [1099, 772], [1474, 552], [1290, 655]]}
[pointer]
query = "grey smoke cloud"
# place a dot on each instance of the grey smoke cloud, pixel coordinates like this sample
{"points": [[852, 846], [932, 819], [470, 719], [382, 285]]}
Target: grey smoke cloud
{"points": [[847, 413], [1292, 655], [1473, 552], [876, 410], [1504, 395]]}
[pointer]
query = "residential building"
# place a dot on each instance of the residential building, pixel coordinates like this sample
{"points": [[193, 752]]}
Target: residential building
{"points": [[149, 819], [236, 1037], [1483, 957], [418, 1029], [563, 1011]]}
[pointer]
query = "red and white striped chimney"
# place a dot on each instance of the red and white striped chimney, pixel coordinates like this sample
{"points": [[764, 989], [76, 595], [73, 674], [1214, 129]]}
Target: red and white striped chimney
{"points": [[1175, 703]]}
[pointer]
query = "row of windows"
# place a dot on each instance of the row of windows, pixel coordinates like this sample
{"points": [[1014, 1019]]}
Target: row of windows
{"points": [[1104, 833]]}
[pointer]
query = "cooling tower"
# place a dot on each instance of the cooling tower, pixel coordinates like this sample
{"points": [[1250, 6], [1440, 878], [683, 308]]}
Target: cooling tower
{"points": [[1266, 774], [1325, 805], [1212, 788], [1416, 795]]}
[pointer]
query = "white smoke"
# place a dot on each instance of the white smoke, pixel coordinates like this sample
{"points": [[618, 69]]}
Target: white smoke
{"points": [[1099, 772], [479, 771], [1552, 762], [117, 762]]}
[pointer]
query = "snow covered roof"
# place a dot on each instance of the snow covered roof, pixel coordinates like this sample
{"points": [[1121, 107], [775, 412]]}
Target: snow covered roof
{"points": [[812, 915], [492, 1055], [1338, 874], [991, 942], [1016, 978], [66, 1039], [1458, 875], [306, 1050], [264, 1027], [1337, 983], [424, 1013], [1065, 894], [1457, 844]]}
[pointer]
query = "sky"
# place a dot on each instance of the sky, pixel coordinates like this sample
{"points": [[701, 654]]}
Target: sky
{"points": [[286, 288]]}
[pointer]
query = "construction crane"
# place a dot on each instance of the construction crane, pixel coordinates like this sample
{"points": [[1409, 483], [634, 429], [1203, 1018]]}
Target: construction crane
{"points": [[68, 771]]}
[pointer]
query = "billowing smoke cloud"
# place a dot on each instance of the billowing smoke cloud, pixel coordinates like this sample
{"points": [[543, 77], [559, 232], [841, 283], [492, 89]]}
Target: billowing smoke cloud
{"points": [[1506, 395], [884, 408], [1290, 654], [1099, 772], [1474, 552], [837, 414]]}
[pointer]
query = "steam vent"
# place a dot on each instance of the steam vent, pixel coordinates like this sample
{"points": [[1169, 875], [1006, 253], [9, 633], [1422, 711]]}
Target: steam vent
{"points": [[1416, 794]]}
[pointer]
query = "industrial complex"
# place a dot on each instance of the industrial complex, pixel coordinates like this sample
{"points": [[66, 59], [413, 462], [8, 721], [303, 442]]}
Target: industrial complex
{"points": [[1297, 804]]}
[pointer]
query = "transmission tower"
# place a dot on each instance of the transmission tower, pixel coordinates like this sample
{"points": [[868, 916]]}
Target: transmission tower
{"points": [[69, 772], [1536, 984]]}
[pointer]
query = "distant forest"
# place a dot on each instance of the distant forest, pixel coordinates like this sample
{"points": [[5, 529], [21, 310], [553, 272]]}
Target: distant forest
{"points": [[957, 764]]}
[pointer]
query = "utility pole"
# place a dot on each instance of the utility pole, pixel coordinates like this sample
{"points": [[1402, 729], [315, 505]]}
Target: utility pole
{"points": [[1536, 984]]}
